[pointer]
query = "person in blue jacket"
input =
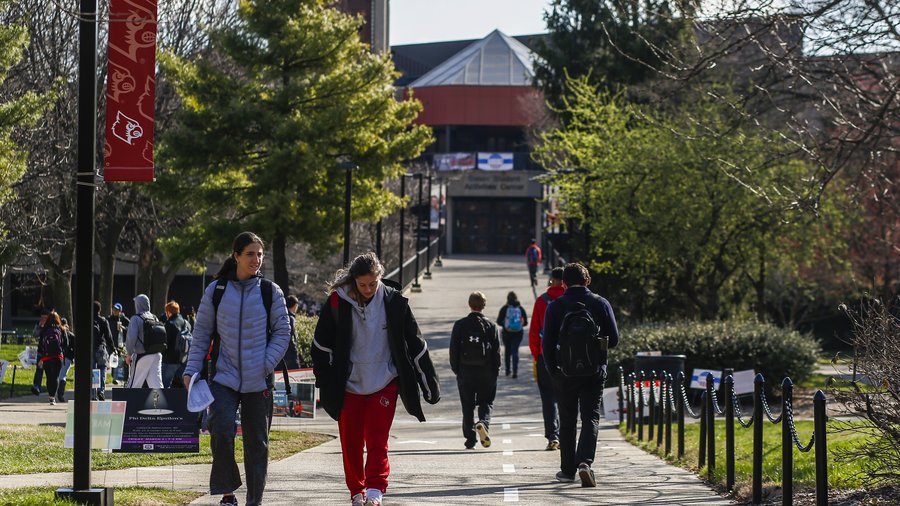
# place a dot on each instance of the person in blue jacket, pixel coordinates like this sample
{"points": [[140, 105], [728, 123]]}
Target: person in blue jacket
{"points": [[250, 341]]}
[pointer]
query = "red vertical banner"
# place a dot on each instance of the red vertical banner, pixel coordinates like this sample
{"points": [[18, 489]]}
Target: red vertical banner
{"points": [[130, 91]]}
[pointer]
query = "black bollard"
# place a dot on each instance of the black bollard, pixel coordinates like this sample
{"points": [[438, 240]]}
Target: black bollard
{"points": [[710, 426], [787, 444], [821, 449], [679, 410], [669, 389], [701, 458], [663, 399], [640, 407], [621, 394], [758, 386], [651, 408], [729, 431]]}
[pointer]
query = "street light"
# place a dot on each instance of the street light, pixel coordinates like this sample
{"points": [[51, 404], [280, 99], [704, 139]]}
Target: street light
{"points": [[348, 166]]}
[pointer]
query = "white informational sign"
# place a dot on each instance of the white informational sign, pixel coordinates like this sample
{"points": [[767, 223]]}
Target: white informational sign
{"points": [[304, 394], [743, 381], [28, 356], [611, 403], [95, 378], [4, 365], [698, 378], [107, 420], [649, 354]]}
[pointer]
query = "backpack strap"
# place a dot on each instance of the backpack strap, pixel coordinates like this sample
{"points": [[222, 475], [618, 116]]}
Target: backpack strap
{"points": [[546, 298], [266, 289]]}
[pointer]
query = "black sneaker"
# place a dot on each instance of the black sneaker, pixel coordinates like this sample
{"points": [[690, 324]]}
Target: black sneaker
{"points": [[587, 475], [35, 390], [563, 477], [470, 445], [228, 500], [100, 396], [482, 431], [553, 445]]}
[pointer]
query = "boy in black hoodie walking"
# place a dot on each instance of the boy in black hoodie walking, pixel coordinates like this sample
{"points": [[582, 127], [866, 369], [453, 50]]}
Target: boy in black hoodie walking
{"points": [[475, 360]]}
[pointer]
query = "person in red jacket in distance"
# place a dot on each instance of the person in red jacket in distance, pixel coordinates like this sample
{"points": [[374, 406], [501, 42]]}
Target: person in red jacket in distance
{"points": [[545, 386]]}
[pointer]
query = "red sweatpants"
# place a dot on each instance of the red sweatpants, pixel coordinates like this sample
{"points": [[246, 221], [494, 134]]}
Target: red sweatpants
{"points": [[365, 422]]}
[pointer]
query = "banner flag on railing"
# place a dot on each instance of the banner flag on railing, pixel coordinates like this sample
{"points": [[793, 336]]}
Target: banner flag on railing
{"points": [[495, 161], [130, 91]]}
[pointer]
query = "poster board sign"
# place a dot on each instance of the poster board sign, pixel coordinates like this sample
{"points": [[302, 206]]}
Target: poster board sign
{"points": [[304, 394], [744, 381], [454, 161], [95, 378], [28, 357], [158, 421], [611, 404], [698, 378], [107, 419], [4, 365]]}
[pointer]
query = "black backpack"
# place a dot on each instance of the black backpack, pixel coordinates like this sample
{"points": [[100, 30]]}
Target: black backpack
{"points": [[581, 350], [474, 348], [183, 343], [52, 342], [155, 338]]}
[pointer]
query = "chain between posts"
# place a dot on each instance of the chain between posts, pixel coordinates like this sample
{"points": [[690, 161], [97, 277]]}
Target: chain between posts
{"points": [[687, 405], [790, 422], [768, 412], [737, 411]]}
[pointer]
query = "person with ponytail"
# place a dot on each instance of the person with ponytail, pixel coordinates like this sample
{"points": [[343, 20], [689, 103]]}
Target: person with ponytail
{"points": [[367, 350], [245, 340]]}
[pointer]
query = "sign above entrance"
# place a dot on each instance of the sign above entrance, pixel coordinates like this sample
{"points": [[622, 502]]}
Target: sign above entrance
{"points": [[454, 161], [494, 184], [495, 161]]}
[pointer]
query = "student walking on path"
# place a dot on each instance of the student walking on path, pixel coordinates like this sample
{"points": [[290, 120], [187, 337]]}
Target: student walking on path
{"points": [[243, 319], [542, 376], [578, 328], [512, 319], [475, 360], [144, 366], [50, 353], [367, 350]]}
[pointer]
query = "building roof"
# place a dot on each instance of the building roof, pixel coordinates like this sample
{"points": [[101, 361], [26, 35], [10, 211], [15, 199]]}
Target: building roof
{"points": [[496, 60]]}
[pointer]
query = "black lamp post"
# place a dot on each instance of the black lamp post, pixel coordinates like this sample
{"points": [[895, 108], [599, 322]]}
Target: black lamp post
{"points": [[427, 274], [416, 287], [402, 228], [438, 262], [348, 166]]}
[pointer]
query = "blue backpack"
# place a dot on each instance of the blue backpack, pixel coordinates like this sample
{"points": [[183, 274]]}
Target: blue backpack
{"points": [[514, 319]]}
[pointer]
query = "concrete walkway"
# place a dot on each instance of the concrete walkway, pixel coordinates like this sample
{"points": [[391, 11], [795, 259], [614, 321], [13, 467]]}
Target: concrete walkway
{"points": [[428, 462]]}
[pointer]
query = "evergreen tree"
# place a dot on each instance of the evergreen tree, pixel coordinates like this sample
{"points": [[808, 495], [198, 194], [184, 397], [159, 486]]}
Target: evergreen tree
{"points": [[268, 115]]}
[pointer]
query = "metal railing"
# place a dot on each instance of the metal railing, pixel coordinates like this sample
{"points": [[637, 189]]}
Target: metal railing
{"points": [[637, 391], [407, 275]]}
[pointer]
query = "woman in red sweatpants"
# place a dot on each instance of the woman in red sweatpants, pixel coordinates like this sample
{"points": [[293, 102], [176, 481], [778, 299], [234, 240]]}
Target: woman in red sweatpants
{"points": [[368, 351]]}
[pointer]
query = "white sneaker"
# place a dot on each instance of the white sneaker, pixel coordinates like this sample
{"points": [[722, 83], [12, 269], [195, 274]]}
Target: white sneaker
{"points": [[373, 497], [482, 431], [357, 500]]}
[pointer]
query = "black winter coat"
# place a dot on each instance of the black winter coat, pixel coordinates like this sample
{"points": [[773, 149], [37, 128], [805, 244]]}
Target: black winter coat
{"points": [[330, 352]]}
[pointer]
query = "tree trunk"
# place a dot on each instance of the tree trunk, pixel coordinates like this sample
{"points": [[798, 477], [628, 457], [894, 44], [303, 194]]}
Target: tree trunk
{"points": [[59, 278], [160, 282], [107, 246], [760, 286], [145, 265], [279, 262]]}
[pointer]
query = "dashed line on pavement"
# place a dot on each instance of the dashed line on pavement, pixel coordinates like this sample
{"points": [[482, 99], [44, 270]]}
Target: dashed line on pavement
{"points": [[509, 468], [505, 426], [507, 441], [507, 453], [510, 495]]}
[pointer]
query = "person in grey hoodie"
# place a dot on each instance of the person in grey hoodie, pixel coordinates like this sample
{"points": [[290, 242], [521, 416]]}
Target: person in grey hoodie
{"points": [[367, 350], [144, 366], [244, 342]]}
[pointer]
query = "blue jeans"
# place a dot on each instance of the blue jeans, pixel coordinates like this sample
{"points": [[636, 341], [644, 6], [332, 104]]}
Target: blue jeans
{"points": [[578, 396], [511, 342], [169, 373], [61, 389], [102, 389], [548, 401], [256, 411]]}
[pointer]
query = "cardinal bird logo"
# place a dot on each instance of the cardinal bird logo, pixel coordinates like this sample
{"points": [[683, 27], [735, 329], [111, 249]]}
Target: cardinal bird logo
{"points": [[126, 128]]}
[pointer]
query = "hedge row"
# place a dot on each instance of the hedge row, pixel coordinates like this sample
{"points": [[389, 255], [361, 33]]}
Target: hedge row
{"points": [[775, 352]]}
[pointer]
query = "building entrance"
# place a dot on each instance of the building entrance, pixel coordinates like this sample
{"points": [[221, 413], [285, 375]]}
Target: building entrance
{"points": [[492, 226]]}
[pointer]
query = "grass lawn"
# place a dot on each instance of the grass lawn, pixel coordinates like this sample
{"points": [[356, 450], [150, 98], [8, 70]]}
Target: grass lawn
{"points": [[841, 475], [28, 449], [124, 496]]}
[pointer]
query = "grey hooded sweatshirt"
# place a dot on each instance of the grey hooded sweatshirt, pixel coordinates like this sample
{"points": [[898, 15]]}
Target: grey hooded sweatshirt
{"points": [[134, 338], [371, 365]]}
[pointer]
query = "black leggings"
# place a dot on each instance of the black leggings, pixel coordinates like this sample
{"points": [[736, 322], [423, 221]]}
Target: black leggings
{"points": [[51, 372]]}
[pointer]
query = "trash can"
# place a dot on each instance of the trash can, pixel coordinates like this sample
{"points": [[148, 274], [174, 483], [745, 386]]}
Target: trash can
{"points": [[672, 364]]}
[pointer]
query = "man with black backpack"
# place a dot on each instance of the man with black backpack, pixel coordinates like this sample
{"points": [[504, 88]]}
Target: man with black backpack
{"points": [[475, 360], [178, 345], [579, 327], [145, 341]]}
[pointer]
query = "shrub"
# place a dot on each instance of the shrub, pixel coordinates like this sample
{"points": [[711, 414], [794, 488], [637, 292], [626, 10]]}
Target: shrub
{"points": [[770, 350], [304, 327]]}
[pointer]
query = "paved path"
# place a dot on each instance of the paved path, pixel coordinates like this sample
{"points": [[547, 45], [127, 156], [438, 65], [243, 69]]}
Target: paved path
{"points": [[428, 462]]}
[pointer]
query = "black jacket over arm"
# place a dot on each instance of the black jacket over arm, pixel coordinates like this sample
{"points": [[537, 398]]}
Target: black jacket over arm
{"points": [[600, 309], [330, 352]]}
